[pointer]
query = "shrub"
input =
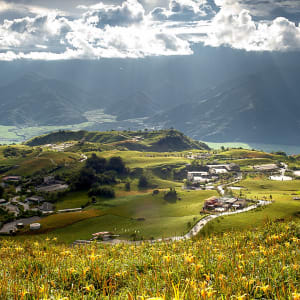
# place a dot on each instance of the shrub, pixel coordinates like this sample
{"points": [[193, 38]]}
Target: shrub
{"points": [[171, 196], [143, 182], [99, 191], [127, 186]]}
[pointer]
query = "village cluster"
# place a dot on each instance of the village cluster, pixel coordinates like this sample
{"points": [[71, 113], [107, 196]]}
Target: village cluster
{"points": [[33, 204], [217, 176]]}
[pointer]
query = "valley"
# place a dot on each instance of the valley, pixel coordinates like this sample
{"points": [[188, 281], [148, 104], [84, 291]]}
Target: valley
{"points": [[133, 210]]}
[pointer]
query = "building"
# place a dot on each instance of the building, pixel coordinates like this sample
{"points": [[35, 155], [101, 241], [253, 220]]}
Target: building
{"points": [[199, 176], [12, 209], [3, 201], [46, 207], [52, 188], [12, 179], [222, 169], [35, 200], [224, 204], [104, 236], [266, 168]]}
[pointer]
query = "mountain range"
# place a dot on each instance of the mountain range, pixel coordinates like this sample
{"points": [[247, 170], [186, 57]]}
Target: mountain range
{"points": [[261, 107]]}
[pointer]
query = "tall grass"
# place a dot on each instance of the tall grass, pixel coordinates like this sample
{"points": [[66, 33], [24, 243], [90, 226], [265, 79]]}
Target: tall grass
{"points": [[258, 264]]}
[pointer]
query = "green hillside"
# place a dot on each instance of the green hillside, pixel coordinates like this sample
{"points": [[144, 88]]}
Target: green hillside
{"points": [[157, 141], [257, 264]]}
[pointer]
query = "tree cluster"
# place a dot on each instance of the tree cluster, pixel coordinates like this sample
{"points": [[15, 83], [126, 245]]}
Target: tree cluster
{"points": [[99, 171]]}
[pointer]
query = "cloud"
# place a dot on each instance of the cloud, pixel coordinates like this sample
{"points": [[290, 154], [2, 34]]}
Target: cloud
{"points": [[240, 31], [127, 30], [185, 10], [130, 12]]}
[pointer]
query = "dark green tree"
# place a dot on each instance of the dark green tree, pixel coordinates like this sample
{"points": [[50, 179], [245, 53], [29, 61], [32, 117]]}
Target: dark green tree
{"points": [[143, 182]]}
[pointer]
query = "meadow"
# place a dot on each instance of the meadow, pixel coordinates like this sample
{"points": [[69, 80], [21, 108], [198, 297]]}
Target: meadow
{"points": [[139, 215], [257, 264]]}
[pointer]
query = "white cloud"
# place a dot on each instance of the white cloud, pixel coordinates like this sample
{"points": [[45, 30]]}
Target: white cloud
{"points": [[241, 32], [184, 10], [127, 31], [130, 12]]}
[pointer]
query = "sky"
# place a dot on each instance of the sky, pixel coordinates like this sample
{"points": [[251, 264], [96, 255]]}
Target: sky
{"points": [[93, 29]]}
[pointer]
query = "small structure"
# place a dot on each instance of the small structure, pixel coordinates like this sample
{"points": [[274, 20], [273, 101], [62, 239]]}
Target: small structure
{"points": [[18, 189], [36, 200], [12, 209], [199, 176], [3, 201], [222, 169], [46, 207], [69, 210], [35, 226], [14, 179], [224, 204], [103, 236], [20, 225], [240, 204], [53, 188], [266, 168], [49, 180]]}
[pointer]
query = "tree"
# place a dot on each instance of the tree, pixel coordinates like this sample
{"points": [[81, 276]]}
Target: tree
{"points": [[86, 179], [99, 191], [127, 186], [1, 191], [117, 164], [99, 164], [143, 182], [171, 196]]}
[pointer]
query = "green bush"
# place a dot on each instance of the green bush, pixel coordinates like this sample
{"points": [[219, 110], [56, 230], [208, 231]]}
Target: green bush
{"points": [[99, 191]]}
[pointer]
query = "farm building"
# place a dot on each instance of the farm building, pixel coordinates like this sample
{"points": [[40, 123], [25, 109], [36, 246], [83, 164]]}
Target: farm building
{"points": [[46, 207], [104, 236], [225, 168], [3, 201], [223, 204], [266, 168], [12, 179], [36, 200], [59, 187], [199, 176]]}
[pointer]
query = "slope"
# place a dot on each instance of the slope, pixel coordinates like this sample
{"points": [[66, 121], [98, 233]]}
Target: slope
{"points": [[36, 100], [257, 108]]}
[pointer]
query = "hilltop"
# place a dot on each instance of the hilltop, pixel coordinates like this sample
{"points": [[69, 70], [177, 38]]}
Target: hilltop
{"points": [[156, 141]]}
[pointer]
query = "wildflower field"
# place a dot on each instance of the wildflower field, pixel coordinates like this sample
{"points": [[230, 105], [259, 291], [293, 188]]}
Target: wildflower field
{"points": [[263, 263]]}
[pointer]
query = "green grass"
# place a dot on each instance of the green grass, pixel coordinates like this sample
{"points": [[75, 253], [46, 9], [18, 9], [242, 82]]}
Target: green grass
{"points": [[258, 264], [119, 215], [135, 159], [284, 207], [46, 161], [65, 219], [72, 200]]}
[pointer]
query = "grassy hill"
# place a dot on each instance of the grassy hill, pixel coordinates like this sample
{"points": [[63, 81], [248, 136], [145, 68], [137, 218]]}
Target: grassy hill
{"points": [[157, 141]]}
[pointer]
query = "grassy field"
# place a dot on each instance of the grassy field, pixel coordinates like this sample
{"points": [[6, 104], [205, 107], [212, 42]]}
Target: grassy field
{"points": [[257, 264], [284, 207], [72, 200], [135, 159], [143, 215]]}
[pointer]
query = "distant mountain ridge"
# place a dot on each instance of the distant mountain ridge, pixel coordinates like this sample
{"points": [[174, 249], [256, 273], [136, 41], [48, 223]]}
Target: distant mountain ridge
{"points": [[138, 105], [261, 107], [258, 108], [34, 100]]}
